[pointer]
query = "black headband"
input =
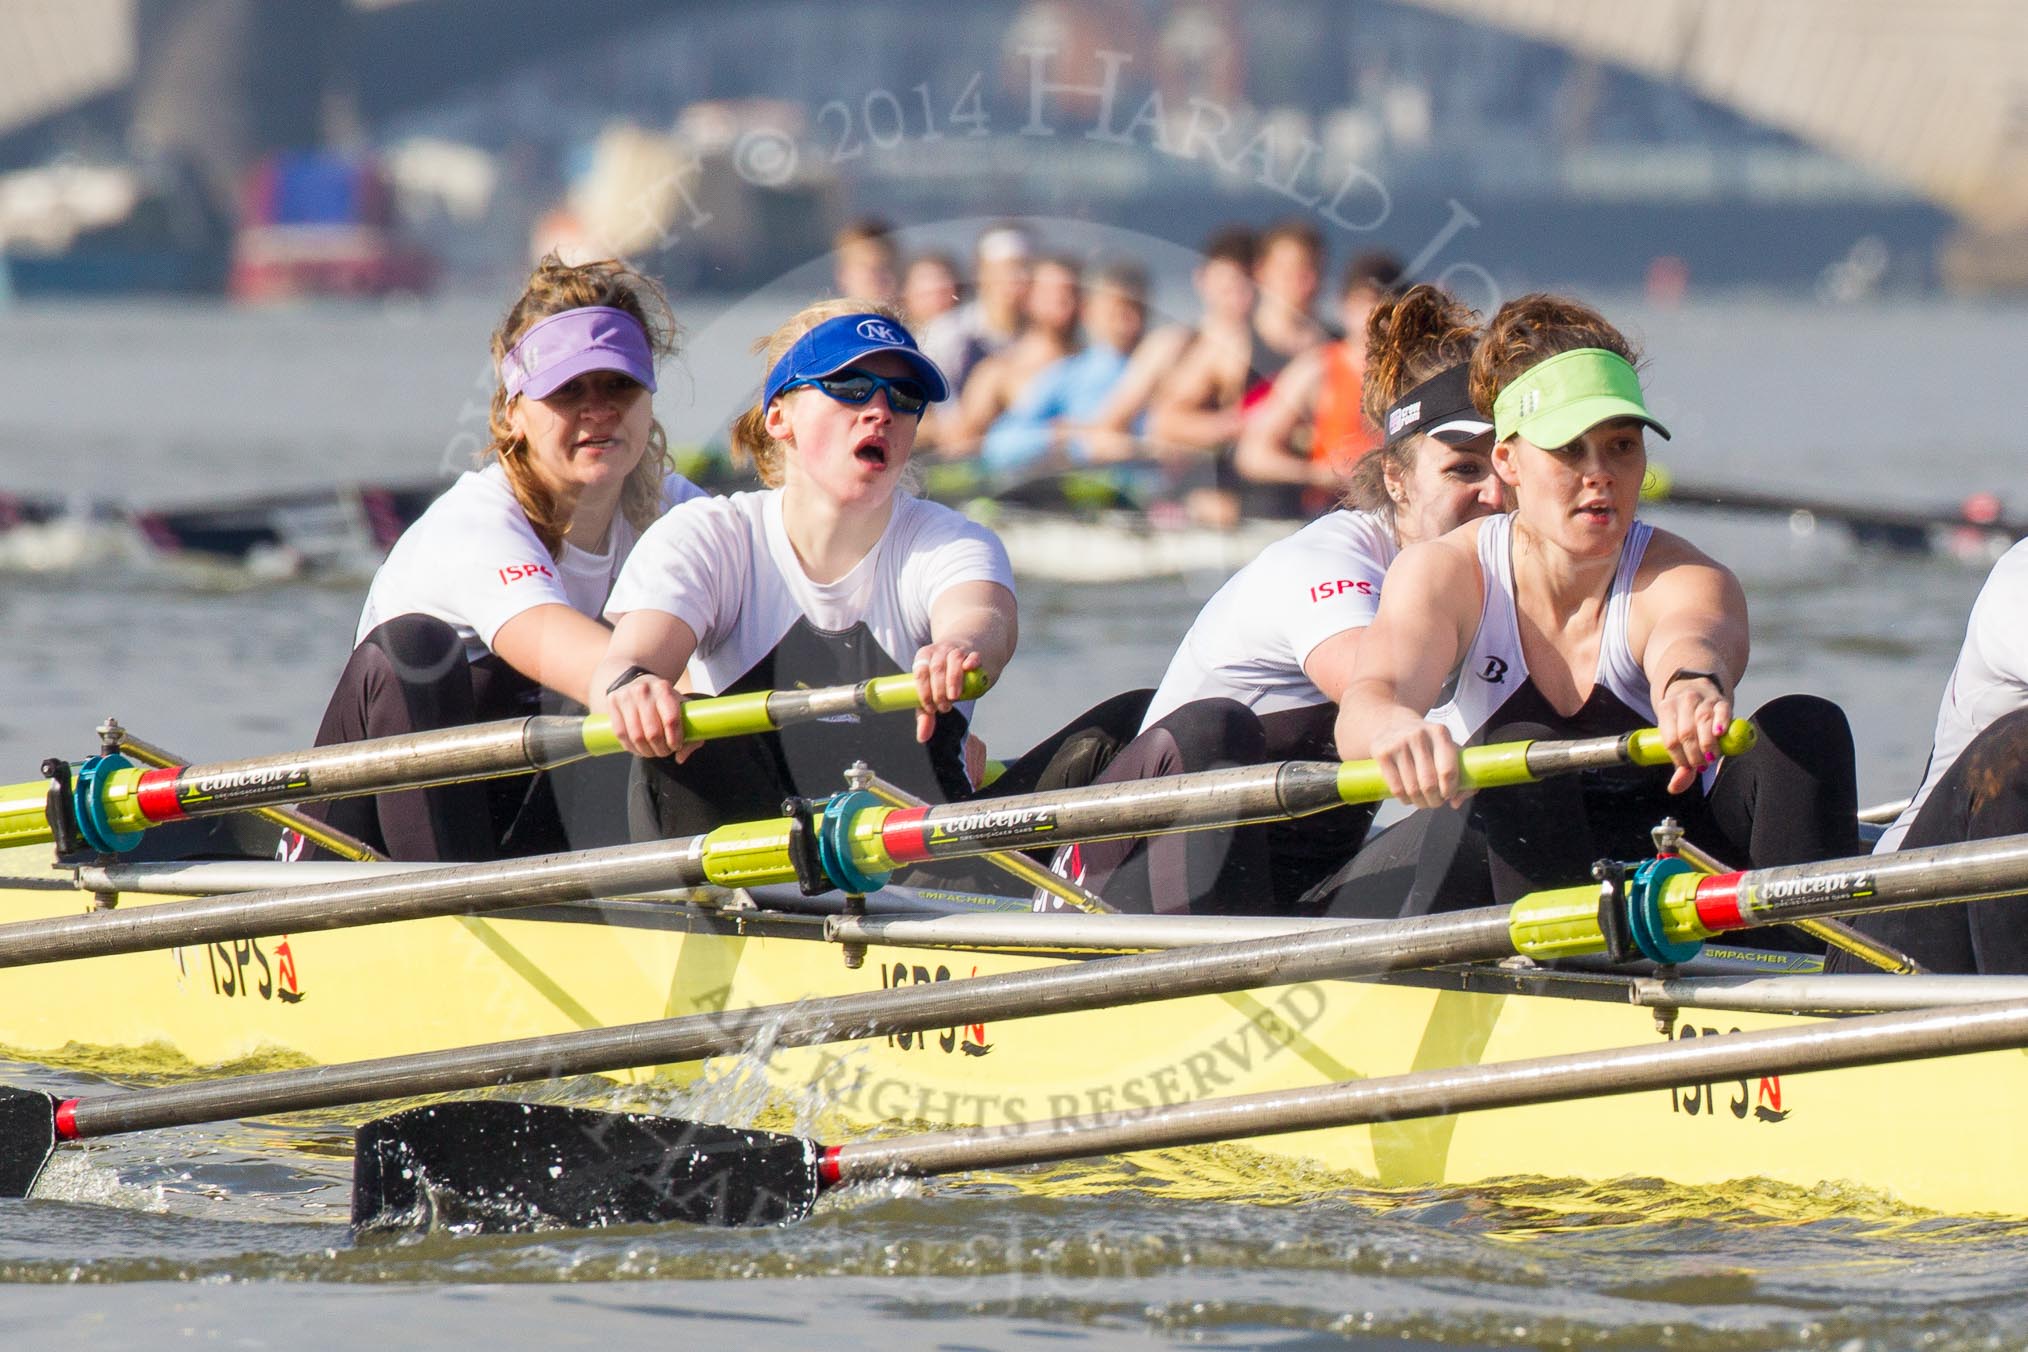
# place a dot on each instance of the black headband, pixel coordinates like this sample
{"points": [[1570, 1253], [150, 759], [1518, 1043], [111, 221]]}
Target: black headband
{"points": [[1443, 403]]}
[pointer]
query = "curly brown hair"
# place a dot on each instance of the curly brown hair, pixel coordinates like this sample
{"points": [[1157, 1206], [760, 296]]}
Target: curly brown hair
{"points": [[1409, 338], [750, 437], [554, 287], [1531, 329]]}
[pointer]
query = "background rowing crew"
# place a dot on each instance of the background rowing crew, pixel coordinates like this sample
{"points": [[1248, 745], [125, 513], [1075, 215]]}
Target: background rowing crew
{"points": [[1487, 580]]}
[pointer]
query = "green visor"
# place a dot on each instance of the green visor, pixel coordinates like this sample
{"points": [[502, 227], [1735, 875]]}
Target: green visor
{"points": [[1555, 402]]}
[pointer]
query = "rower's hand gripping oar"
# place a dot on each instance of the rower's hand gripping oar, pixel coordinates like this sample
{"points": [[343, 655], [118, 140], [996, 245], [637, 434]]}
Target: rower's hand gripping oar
{"points": [[859, 843], [106, 803], [850, 843]]}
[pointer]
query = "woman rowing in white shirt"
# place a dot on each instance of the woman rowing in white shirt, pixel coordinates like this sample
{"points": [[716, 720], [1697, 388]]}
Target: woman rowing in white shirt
{"points": [[492, 599], [1569, 617], [1260, 673], [1975, 787], [831, 574]]}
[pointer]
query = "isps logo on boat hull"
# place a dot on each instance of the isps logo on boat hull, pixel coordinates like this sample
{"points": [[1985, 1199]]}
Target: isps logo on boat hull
{"points": [[970, 1039], [1762, 1101], [245, 967]]}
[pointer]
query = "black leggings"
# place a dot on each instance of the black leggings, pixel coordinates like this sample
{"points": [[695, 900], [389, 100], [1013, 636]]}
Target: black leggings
{"points": [[411, 675], [1264, 869], [1983, 795], [1792, 799]]}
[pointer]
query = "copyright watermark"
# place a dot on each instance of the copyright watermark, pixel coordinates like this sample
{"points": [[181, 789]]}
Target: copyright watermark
{"points": [[915, 131]]}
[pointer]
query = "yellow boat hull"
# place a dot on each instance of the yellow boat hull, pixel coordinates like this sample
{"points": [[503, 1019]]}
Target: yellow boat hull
{"points": [[1930, 1134]]}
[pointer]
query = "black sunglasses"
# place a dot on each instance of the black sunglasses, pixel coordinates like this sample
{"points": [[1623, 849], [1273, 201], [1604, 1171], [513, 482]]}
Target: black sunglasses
{"points": [[854, 386]]}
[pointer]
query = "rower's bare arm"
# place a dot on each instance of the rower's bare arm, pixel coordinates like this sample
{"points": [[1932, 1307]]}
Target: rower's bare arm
{"points": [[1267, 450], [1331, 664], [1693, 652], [983, 399], [1154, 358], [646, 711], [973, 627], [555, 646], [1427, 611], [1189, 412]]}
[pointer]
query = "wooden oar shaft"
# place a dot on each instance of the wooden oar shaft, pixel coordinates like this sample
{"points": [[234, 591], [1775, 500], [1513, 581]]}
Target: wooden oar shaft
{"points": [[132, 800], [1347, 950], [1871, 1040]]}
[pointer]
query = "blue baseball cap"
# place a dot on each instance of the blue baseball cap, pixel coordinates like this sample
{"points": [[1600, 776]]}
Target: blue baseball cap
{"points": [[837, 343]]}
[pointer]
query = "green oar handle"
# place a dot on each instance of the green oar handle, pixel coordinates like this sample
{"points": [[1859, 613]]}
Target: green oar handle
{"points": [[425, 759], [766, 710], [1509, 763], [22, 821]]}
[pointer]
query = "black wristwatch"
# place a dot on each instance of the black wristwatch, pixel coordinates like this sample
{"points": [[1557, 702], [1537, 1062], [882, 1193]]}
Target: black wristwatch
{"points": [[632, 672], [1686, 674]]}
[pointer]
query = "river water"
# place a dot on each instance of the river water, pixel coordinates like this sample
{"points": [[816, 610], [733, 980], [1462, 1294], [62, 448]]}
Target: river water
{"points": [[232, 1236]]}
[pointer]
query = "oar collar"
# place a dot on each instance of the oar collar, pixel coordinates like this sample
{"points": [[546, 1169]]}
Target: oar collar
{"points": [[91, 802]]}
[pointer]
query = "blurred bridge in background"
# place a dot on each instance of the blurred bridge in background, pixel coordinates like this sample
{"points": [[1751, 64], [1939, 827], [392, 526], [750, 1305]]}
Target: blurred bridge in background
{"points": [[1931, 96]]}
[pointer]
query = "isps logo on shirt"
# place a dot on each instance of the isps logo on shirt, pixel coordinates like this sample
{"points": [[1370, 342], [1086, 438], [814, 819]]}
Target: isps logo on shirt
{"points": [[515, 572], [1341, 586]]}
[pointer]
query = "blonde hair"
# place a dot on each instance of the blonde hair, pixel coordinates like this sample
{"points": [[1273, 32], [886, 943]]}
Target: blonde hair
{"points": [[750, 438], [554, 287], [1421, 333]]}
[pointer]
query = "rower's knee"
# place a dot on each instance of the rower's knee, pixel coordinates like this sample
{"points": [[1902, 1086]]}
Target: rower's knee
{"points": [[1211, 733], [419, 649], [1994, 767], [1809, 728]]}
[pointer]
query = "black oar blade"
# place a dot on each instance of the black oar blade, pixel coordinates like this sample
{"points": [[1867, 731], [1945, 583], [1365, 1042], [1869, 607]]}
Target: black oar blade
{"points": [[490, 1165], [27, 1138]]}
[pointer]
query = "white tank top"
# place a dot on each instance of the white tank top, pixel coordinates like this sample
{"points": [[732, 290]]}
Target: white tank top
{"points": [[1494, 667]]}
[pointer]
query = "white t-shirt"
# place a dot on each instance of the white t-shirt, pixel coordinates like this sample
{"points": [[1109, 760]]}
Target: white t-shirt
{"points": [[1989, 681], [472, 560], [1250, 641], [725, 567]]}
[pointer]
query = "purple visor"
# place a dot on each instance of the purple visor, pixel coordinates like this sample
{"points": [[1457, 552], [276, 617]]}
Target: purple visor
{"points": [[565, 346], [836, 343]]}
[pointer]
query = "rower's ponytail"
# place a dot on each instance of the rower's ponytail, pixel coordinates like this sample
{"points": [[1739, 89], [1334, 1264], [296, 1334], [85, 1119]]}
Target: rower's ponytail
{"points": [[749, 435], [554, 287], [1409, 338]]}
